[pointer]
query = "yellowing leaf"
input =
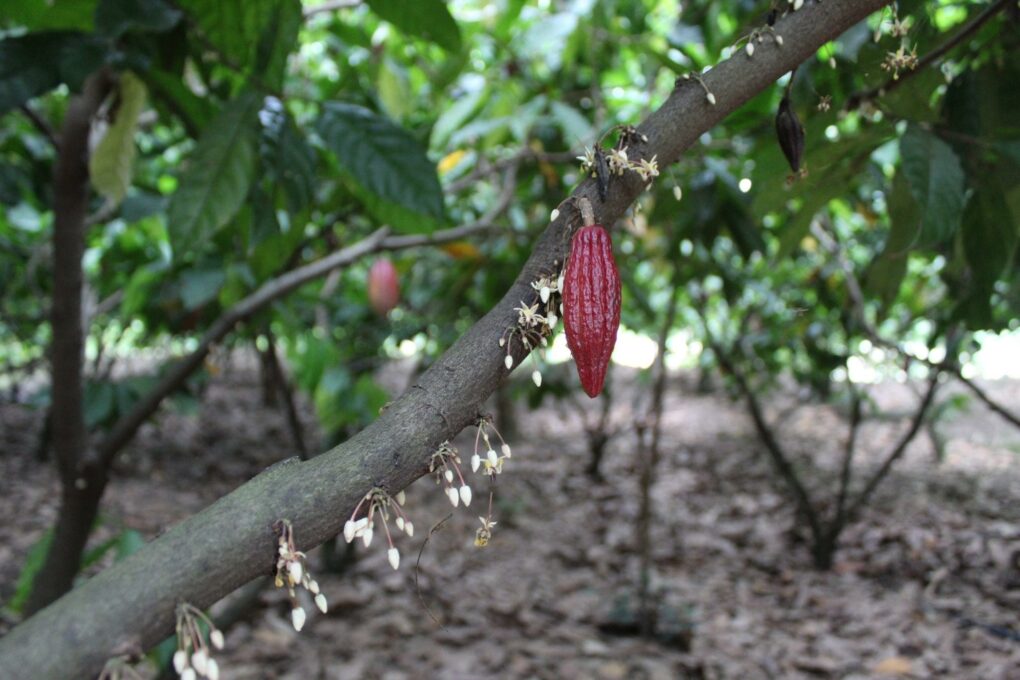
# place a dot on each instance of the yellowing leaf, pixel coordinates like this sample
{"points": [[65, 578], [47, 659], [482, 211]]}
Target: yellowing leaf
{"points": [[112, 162], [450, 160], [894, 665], [462, 250]]}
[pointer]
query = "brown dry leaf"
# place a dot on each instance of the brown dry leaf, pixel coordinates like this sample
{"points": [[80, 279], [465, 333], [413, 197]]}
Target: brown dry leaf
{"points": [[894, 665]]}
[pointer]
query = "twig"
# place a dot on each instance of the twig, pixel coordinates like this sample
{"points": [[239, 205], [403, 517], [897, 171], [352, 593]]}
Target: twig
{"points": [[899, 450], [485, 169], [649, 456], [846, 473], [286, 391], [856, 99], [272, 290], [417, 569], [828, 240], [41, 124]]}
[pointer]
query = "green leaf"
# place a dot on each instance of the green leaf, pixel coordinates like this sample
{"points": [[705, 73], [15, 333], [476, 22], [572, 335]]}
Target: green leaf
{"points": [[394, 93], [429, 19], [37, 15], [128, 543], [279, 37], [99, 403], [112, 162], [217, 179], [936, 182], [235, 27], [989, 236], [117, 17], [199, 286], [390, 170], [577, 130], [455, 116], [887, 271], [33, 563], [913, 99], [30, 65], [286, 156], [195, 112]]}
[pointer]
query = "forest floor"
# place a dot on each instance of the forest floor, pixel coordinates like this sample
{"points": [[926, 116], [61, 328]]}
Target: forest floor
{"points": [[925, 585]]}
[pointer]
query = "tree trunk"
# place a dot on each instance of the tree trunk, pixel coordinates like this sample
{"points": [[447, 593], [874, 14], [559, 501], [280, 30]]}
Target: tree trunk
{"points": [[81, 489]]}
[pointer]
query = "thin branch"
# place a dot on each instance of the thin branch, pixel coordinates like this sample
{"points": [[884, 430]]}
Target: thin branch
{"points": [[648, 454], [226, 545], [281, 381], [969, 29], [124, 430], [41, 124], [780, 460], [828, 241], [483, 170], [778, 456], [846, 473], [908, 436]]}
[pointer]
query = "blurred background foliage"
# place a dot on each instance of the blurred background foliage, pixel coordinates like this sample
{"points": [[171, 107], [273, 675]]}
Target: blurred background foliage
{"points": [[247, 138]]}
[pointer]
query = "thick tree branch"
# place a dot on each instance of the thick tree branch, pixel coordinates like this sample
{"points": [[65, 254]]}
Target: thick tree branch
{"points": [[232, 542]]}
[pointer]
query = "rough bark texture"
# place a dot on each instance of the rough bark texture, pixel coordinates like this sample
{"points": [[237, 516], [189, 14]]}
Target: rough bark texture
{"points": [[82, 489], [232, 542]]}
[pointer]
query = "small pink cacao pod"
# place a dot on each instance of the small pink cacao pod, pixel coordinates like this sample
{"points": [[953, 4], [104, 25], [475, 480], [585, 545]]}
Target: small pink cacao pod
{"points": [[383, 286], [591, 305]]}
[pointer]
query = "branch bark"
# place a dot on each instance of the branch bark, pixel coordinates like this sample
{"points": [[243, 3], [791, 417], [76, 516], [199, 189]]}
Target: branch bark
{"points": [[231, 542]]}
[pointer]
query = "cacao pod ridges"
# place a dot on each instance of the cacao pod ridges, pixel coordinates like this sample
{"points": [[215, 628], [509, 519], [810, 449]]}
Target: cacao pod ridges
{"points": [[591, 305]]}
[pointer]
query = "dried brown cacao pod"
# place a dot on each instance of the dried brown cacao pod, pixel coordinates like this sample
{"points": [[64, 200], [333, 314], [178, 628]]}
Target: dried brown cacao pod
{"points": [[591, 305], [790, 133]]}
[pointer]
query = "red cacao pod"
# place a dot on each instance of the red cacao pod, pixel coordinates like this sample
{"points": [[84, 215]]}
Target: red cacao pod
{"points": [[383, 286], [591, 305]]}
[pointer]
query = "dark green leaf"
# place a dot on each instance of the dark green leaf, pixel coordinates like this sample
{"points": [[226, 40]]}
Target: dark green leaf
{"points": [[235, 27], [99, 403], [38, 15], [117, 17], [199, 286], [989, 236], [128, 543], [33, 64], [217, 179], [936, 182], [429, 19], [887, 271], [277, 41], [288, 159], [391, 172]]}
